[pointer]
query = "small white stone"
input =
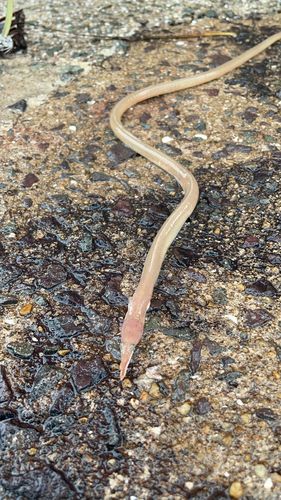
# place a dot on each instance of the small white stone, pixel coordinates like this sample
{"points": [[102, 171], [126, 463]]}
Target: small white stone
{"points": [[201, 136], [239, 402], [261, 471], [268, 483], [232, 318], [189, 485], [111, 462], [167, 139], [72, 127], [134, 403], [184, 409], [52, 457], [156, 431]]}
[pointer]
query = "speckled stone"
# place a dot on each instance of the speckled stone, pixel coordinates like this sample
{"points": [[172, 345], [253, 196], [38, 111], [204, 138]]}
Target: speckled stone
{"points": [[236, 490], [23, 350]]}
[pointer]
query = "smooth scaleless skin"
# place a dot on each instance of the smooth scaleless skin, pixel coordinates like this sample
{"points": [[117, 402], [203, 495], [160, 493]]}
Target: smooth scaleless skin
{"points": [[132, 328]]}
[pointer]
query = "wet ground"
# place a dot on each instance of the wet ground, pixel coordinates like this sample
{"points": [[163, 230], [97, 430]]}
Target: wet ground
{"points": [[198, 415]]}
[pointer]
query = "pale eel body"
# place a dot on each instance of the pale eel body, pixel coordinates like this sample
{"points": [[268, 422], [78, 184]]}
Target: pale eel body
{"points": [[132, 328]]}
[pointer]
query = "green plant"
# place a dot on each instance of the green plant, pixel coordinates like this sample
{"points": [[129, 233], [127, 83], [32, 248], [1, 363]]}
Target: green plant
{"points": [[6, 42]]}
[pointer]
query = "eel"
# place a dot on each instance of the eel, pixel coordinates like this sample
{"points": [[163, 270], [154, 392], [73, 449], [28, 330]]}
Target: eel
{"points": [[132, 328]]}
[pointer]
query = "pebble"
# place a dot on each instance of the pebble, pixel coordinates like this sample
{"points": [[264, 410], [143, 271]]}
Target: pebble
{"points": [[40, 300], [241, 287], [261, 471], [227, 440], [52, 456], [23, 350], [195, 356], [134, 403], [206, 429], [63, 352], [200, 126], [101, 177], [266, 414], [211, 14], [8, 300], [202, 406], [167, 139], [181, 385], [83, 420], [268, 483], [144, 397], [257, 317], [5, 391], [185, 333], [32, 452], [184, 409], [123, 207], [212, 346], [119, 153], [127, 383], [86, 243], [54, 275], [88, 373], [51, 349], [196, 276], [276, 477], [154, 391], [29, 180], [246, 418], [227, 361], [111, 462], [219, 296], [261, 287], [18, 106], [236, 490], [26, 310]]}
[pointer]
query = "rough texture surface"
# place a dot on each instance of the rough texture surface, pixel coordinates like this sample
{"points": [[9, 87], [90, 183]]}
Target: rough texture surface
{"points": [[198, 415]]}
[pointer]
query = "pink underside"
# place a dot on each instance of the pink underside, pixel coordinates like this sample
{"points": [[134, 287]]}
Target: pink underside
{"points": [[132, 330]]}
